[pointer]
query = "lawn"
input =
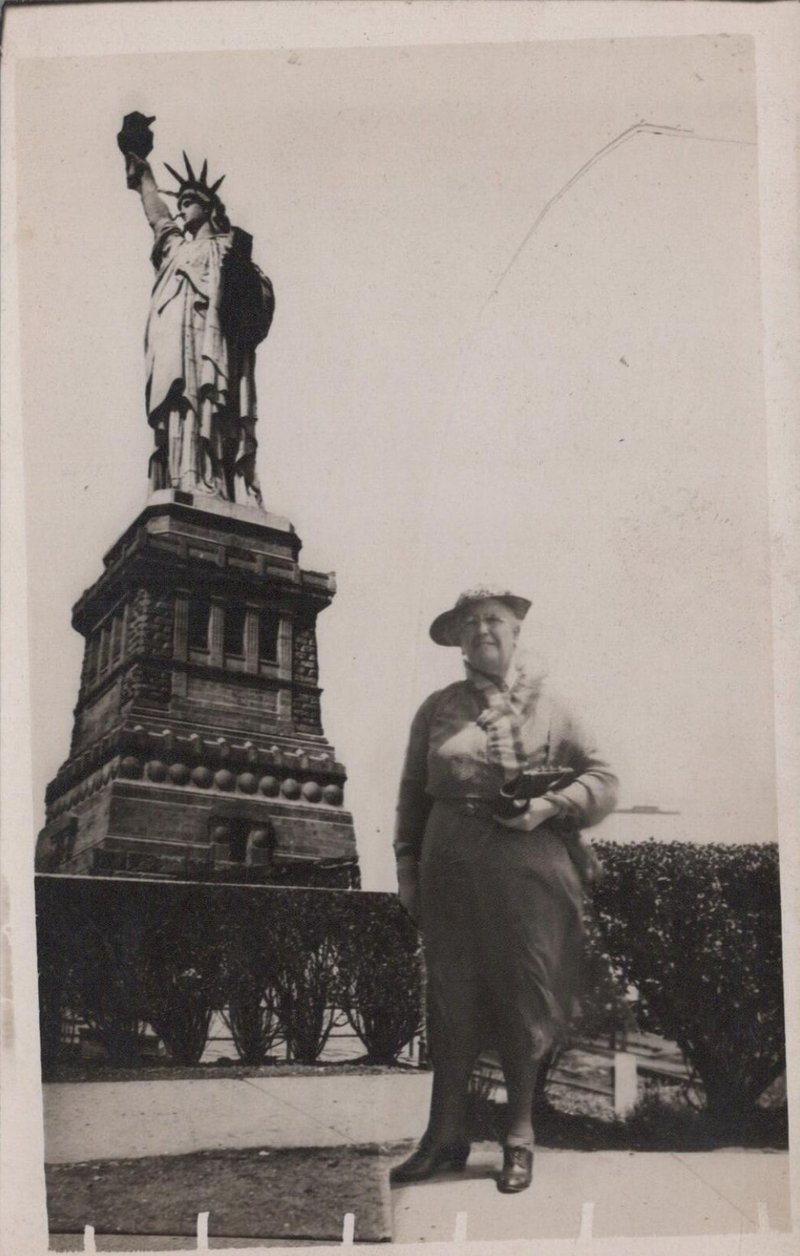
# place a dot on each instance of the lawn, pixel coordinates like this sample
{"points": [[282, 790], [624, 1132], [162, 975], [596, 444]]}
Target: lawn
{"points": [[257, 1193]]}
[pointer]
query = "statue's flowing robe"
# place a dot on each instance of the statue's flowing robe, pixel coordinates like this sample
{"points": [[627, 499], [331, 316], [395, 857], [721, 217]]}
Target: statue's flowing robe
{"points": [[209, 308]]}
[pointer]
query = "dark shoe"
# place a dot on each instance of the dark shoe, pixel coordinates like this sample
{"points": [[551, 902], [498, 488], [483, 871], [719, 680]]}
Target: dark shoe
{"points": [[517, 1170], [428, 1159]]}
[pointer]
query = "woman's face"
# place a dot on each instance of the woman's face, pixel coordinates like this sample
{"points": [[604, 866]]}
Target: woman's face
{"points": [[488, 633]]}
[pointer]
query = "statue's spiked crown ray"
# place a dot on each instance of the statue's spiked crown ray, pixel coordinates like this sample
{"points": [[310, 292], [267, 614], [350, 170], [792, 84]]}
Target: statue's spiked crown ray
{"points": [[191, 183]]}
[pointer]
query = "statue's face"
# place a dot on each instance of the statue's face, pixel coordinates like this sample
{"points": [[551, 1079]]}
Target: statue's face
{"points": [[193, 210]]}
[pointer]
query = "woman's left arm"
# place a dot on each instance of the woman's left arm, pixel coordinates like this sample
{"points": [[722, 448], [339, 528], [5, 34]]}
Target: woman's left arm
{"points": [[592, 794]]}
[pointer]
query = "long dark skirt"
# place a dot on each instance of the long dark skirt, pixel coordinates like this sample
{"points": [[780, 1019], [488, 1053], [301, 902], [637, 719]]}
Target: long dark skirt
{"points": [[501, 919]]}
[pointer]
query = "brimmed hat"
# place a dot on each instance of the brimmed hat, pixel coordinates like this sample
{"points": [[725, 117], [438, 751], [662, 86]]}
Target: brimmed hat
{"points": [[443, 630]]}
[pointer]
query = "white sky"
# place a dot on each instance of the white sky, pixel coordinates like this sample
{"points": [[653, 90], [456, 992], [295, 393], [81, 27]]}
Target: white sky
{"points": [[419, 438]]}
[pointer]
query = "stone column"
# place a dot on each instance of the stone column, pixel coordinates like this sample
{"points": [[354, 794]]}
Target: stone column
{"points": [[251, 640], [180, 643], [215, 634], [285, 647], [285, 640]]}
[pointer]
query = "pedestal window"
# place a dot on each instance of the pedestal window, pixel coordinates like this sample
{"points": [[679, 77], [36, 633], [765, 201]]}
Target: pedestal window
{"points": [[233, 633], [268, 635], [198, 624]]}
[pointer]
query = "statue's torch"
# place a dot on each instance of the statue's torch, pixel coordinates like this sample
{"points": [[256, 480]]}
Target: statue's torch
{"points": [[135, 139]]}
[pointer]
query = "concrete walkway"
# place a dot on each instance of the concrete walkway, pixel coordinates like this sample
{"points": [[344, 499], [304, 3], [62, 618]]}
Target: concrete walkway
{"points": [[600, 1193], [121, 1120]]}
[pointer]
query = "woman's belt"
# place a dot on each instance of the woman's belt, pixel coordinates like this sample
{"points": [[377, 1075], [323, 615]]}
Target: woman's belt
{"points": [[471, 805]]}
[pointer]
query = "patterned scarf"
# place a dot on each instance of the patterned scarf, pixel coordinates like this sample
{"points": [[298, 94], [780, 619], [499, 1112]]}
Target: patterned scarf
{"points": [[506, 701]]}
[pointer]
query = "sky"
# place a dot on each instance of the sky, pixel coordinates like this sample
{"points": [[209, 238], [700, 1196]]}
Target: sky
{"points": [[457, 386]]}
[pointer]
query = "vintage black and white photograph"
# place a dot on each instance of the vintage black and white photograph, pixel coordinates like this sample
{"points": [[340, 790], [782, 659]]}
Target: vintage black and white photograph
{"points": [[394, 484]]}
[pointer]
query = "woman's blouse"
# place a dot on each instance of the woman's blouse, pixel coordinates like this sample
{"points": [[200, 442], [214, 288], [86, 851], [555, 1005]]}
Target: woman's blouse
{"points": [[447, 758]]}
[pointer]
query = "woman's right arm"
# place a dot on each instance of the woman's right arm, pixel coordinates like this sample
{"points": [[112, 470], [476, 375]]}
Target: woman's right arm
{"points": [[413, 807]]}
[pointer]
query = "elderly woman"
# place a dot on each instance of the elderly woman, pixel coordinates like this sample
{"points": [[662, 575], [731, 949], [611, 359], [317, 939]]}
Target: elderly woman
{"points": [[498, 900]]}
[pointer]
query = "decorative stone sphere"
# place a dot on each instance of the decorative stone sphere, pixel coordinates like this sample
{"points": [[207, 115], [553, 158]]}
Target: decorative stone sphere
{"points": [[312, 791], [202, 776], [221, 833], [130, 766], [332, 795], [223, 779], [247, 782], [290, 788], [261, 839], [178, 773], [156, 770], [269, 785]]}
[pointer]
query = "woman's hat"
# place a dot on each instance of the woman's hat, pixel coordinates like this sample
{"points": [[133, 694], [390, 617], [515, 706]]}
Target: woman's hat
{"points": [[444, 629]]}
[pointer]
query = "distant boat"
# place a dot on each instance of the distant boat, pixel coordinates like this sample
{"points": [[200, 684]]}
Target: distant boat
{"points": [[644, 809]]}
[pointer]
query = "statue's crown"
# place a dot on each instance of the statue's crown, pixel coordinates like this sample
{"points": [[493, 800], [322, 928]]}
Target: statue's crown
{"points": [[192, 183]]}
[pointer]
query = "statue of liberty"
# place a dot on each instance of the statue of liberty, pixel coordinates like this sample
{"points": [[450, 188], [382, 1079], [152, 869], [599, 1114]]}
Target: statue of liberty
{"points": [[210, 307]]}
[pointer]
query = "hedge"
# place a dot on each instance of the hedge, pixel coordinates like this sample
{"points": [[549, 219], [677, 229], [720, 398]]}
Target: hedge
{"points": [[280, 964], [696, 930], [683, 940]]}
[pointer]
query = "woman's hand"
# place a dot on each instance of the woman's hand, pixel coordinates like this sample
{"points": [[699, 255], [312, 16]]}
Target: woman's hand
{"points": [[408, 891], [537, 811]]}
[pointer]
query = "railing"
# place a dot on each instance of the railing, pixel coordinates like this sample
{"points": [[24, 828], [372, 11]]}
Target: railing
{"points": [[624, 1068]]}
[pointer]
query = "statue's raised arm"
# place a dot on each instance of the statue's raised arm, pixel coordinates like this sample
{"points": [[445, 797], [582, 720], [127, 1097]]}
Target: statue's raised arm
{"points": [[210, 308], [142, 178], [135, 142]]}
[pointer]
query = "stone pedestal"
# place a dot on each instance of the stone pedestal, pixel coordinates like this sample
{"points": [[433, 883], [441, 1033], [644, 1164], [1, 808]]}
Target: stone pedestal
{"points": [[197, 748]]}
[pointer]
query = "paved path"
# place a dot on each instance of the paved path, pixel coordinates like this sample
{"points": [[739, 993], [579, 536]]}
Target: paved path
{"points": [[604, 1193], [118, 1120]]}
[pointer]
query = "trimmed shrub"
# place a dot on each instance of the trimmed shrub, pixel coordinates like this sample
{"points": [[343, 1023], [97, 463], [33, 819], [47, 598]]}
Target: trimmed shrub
{"points": [[304, 974], [249, 1005], [107, 984], [180, 978], [252, 1018], [380, 983], [697, 930]]}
